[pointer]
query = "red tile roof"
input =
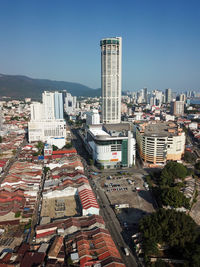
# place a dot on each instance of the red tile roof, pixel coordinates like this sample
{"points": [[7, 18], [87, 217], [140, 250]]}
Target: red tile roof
{"points": [[88, 199], [95, 244], [61, 152], [79, 222]]}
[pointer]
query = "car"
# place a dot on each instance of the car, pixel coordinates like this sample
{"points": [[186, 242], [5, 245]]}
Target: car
{"points": [[126, 251]]}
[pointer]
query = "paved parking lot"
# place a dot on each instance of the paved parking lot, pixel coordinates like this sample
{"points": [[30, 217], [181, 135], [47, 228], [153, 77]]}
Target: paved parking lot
{"points": [[128, 189]]}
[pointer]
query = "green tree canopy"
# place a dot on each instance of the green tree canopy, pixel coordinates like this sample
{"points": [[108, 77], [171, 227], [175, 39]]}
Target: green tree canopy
{"points": [[189, 157], [68, 145], [170, 227], [54, 147], [197, 165], [40, 147], [172, 171], [173, 197]]}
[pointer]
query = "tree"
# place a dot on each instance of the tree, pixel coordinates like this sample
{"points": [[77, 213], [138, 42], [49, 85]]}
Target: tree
{"points": [[54, 147], [197, 165], [151, 248], [149, 180], [68, 145], [91, 162], [169, 227], [189, 157], [192, 253], [160, 263], [172, 171], [40, 147], [173, 197], [17, 214], [46, 169]]}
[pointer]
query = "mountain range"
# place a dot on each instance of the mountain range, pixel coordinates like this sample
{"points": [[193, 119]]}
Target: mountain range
{"points": [[18, 87]]}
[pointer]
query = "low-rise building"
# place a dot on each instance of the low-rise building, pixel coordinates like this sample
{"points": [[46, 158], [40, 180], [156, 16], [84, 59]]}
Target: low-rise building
{"points": [[93, 246], [88, 200], [53, 132], [68, 226]]}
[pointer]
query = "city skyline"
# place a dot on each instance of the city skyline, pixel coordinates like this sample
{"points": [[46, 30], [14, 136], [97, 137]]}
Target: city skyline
{"points": [[60, 41]]}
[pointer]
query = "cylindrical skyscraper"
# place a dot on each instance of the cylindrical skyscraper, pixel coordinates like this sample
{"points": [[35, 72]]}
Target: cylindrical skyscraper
{"points": [[111, 54]]}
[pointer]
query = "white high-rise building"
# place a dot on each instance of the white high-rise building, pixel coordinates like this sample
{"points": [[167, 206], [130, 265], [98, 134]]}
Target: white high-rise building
{"points": [[37, 111], [53, 105], [111, 54], [47, 123], [48, 102], [182, 97], [93, 117], [70, 104], [58, 105]]}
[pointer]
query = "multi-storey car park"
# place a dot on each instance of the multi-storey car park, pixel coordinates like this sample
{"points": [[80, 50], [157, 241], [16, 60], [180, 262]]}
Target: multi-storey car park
{"points": [[160, 141]]}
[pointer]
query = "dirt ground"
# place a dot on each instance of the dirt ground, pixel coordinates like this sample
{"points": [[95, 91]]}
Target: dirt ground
{"points": [[59, 207]]}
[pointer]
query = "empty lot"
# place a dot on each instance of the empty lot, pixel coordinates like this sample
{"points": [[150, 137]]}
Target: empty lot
{"points": [[128, 189], [59, 207]]}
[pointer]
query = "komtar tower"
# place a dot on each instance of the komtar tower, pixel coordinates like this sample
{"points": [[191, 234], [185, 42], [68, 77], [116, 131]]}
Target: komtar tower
{"points": [[111, 79]]}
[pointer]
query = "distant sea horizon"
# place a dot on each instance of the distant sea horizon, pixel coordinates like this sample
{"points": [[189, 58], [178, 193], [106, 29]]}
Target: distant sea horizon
{"points": [[195, 101]]}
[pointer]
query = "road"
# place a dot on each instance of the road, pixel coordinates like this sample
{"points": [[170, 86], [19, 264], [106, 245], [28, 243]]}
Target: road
{"points": [[114, 227], [37, 211], [111, 221], [78, 144]]}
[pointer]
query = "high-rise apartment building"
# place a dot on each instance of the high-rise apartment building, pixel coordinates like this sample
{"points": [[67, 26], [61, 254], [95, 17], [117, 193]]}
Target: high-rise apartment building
{"points": [[177, 108], [58, 105], [111, 54], [53, 105], [48, 104], [182, 97], [37, 111], [93, 117], [157, 98], [144, 95], [168, 95], [70, 104]]}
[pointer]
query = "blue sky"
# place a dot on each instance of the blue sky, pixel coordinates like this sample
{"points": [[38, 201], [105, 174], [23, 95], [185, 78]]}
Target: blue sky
{"points": [[59, 40]]}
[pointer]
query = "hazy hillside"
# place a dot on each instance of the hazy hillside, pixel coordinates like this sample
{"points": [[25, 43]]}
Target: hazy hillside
{"points": [[17, 86]]}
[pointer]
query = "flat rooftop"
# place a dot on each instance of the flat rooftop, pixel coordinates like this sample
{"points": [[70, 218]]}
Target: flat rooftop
{"points": [[98, 131], [119, 127], [161, 129], [107, 132]]}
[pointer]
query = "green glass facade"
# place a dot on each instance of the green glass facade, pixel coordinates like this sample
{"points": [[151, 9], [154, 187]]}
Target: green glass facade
{"points": [[109, 41], [124, 153]]}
